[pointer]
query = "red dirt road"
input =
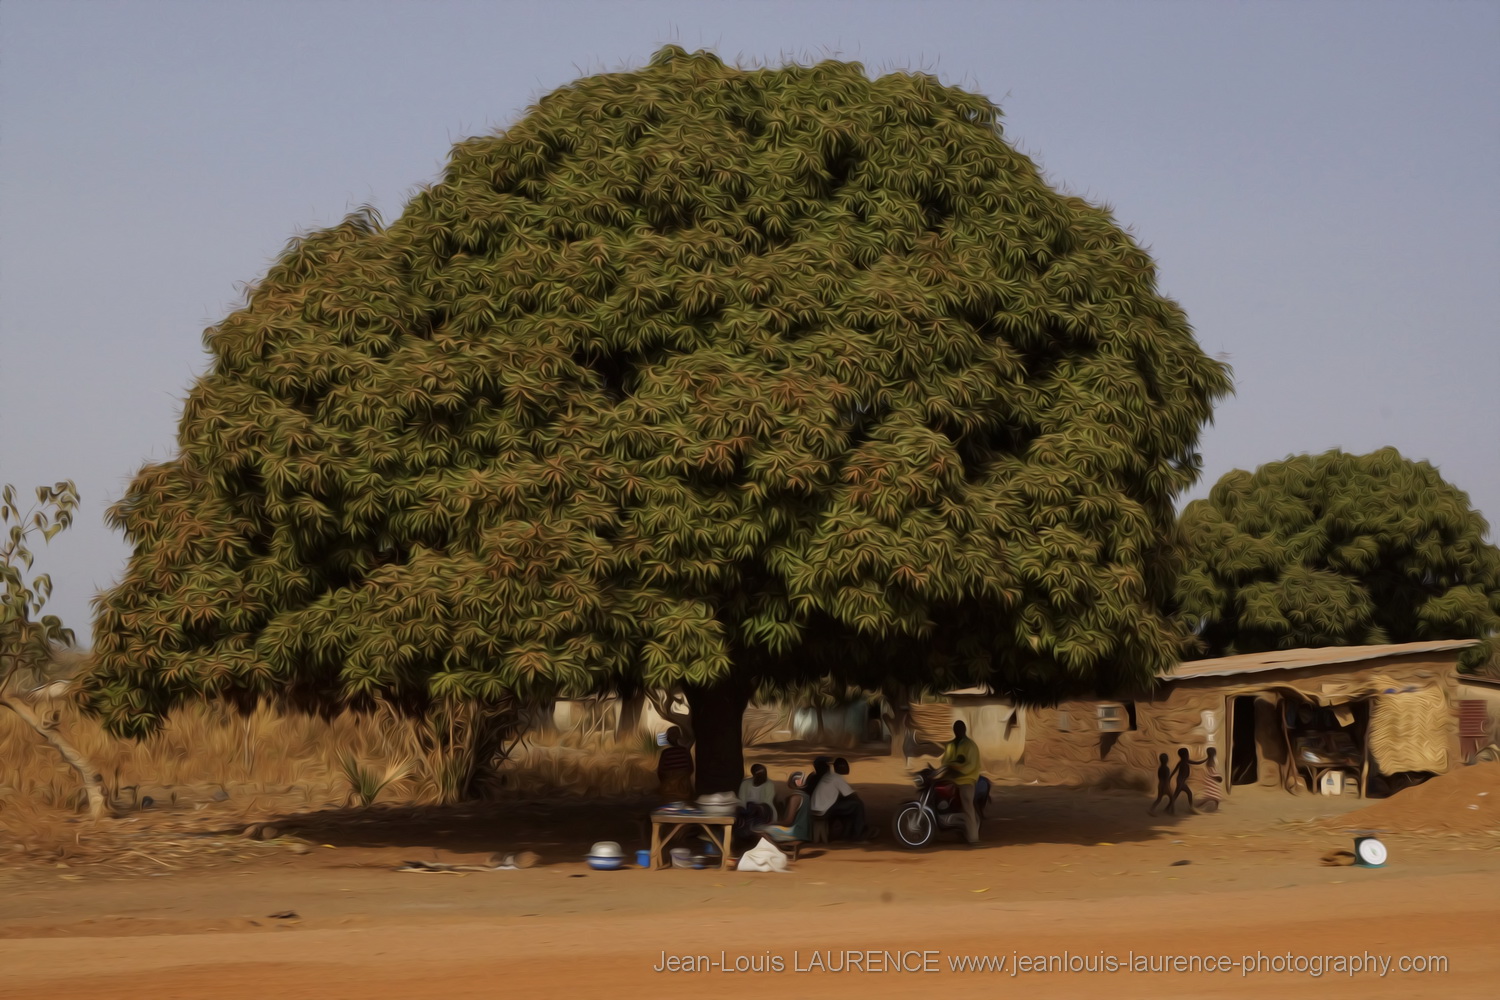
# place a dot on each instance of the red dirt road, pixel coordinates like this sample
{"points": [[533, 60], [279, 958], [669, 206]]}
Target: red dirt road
{"points": [[1062, 872], [607, 955], [454, 955]]}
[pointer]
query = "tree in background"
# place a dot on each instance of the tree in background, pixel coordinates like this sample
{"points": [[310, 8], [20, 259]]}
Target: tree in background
{"points": [[1337, 549], [29, 639], [694, 376]]}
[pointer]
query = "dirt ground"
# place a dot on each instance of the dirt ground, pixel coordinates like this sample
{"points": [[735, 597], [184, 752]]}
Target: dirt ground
{"points": [[174, 903]]}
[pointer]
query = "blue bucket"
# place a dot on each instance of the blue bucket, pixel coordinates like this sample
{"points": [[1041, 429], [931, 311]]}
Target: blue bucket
{"points": [[643, 858]]}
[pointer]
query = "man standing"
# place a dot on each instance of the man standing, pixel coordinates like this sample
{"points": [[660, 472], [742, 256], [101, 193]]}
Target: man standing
{"points": [[961, 757]]}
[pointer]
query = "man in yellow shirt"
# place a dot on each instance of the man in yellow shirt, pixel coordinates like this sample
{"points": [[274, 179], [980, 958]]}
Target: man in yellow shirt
{"points": [[961, 757]]}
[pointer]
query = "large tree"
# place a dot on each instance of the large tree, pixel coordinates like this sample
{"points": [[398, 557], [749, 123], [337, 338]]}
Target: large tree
{"points": [[1337, 549], [692, 376]]}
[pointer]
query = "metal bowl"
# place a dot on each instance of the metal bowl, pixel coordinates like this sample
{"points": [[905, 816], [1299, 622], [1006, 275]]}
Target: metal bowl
{"points": [[606, 849]]}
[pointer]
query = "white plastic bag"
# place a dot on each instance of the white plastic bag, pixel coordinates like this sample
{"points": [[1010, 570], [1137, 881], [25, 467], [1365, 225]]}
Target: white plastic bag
{"points": [[763, 857]]}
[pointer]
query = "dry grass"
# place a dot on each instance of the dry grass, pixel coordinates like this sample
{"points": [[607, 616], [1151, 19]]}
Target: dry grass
{"points": [[207, 750], [245, 768]]}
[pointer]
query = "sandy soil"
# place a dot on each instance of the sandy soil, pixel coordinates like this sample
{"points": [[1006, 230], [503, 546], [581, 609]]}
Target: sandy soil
{"points": [[1466, 800], [1061, 872]]}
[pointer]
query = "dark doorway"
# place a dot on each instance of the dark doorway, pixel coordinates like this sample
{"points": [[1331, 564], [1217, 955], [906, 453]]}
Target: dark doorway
{"points": [[1244, 766]]}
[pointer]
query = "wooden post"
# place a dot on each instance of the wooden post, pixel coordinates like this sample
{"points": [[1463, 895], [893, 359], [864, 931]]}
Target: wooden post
{"points": [[1292, 779], [1226, 764], [1364, 763]]}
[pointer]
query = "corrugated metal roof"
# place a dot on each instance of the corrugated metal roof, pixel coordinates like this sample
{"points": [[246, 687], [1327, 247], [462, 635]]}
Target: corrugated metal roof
{"points": [[1480, 679], [1279, 659], [1291, 659]]}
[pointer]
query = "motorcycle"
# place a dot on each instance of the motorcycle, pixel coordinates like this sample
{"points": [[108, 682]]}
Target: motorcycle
{"points": [[936, 807]]}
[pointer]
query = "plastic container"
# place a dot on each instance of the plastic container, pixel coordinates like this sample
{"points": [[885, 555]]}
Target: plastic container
{"points": [[643, 858], [682, 857]]}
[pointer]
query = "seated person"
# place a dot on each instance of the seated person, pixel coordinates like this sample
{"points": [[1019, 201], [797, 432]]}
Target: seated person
{"points": [[796, 824], [835, 801], [758, 797]]}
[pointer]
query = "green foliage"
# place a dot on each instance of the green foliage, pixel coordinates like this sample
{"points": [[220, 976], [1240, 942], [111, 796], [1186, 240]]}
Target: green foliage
{"points": [[692, 373], [365, 782], [27, 637], [1337, 549]]}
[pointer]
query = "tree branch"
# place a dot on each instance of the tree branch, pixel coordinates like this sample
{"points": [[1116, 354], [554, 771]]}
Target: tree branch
{"points": [[93, 781]]}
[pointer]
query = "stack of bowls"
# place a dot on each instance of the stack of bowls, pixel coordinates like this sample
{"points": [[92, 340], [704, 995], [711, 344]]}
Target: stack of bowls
{"points": [[718, 804], [606, 856]]}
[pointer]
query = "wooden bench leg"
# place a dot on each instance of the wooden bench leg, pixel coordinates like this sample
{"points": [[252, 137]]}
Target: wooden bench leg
{"points": [[719, 839]]}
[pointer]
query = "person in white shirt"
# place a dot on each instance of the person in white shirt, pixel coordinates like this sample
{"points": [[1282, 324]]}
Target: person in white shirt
{"points": [[834, 800]]}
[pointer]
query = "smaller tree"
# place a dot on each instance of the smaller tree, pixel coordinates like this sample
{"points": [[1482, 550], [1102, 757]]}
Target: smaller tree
{"points": [[1337, 549], [28, 638]]}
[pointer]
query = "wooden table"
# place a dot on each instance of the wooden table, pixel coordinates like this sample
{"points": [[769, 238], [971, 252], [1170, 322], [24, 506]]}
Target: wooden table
{"points": [[678, 822]]}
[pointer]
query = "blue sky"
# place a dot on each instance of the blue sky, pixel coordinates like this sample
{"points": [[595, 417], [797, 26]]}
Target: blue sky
{"points": [[1317, 182]]}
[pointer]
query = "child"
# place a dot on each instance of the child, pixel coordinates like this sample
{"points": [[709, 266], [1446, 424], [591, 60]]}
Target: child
{"points": [[1213, 782], [1163, 785], [1182, 772]]}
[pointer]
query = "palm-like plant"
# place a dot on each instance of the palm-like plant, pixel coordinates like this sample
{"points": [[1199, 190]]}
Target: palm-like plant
{"points": [[366, 782]]}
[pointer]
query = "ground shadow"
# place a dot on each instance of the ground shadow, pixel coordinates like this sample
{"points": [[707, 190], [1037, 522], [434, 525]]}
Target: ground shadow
{"points": [[563, 829]]}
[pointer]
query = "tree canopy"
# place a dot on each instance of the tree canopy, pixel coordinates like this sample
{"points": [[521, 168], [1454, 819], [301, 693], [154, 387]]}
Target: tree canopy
{"points": [[1337, 549], [692, 375]]}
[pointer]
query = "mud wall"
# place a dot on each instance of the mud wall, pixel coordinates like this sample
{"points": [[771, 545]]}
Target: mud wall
{"points": [[1064, 744], [998, 728]]}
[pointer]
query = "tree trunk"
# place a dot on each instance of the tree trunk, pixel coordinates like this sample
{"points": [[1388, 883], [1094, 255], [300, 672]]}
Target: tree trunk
{"points": [[897, 702], [93, 781], [718, 717], [632, 706]]}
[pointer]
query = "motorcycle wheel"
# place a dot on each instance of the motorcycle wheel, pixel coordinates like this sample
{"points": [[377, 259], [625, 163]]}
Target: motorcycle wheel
{"points": [[914, 826]]}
